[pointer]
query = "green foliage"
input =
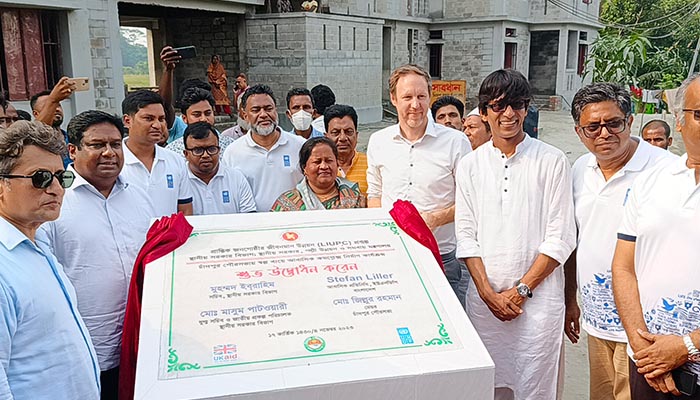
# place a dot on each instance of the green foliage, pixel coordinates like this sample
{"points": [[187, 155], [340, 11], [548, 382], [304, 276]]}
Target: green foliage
{"points": [[666, 29], [132, 52]]}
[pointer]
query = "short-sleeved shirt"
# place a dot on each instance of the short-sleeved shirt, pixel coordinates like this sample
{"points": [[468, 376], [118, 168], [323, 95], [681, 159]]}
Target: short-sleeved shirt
{"points": [[662, 215], [228, 192], [101, 273], [422, 172], [357, 172], [598, 206], [45, 348], [166, 184], [269, 172], [177, 130]]}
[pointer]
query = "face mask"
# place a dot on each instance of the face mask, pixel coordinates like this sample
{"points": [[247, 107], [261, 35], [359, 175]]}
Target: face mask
{"points": [[243, 124], [301, 120]]}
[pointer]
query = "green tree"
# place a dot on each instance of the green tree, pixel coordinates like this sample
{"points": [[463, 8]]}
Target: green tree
{"points": [[132, 52], [669, 29]]}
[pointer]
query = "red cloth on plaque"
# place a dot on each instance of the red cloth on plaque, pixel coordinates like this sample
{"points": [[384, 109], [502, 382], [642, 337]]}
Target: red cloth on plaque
{"points": [[164, 236], [409, 220]]}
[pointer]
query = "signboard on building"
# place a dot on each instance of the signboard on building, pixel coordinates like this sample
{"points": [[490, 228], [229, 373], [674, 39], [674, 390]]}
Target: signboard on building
{"points": [[285, 306], [457, 89]]}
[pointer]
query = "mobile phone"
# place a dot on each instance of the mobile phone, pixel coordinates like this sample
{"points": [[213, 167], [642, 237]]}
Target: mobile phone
{"points": [[186, 52], [686, 382], [81, 84]]}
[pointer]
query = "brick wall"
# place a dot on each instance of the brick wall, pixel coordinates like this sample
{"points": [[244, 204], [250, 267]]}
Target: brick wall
{"points": [[103, 65], [468, 54], [210, 35]]}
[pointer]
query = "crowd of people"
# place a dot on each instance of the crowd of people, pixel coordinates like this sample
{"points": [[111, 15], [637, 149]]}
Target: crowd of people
{"points": [[528, 236]]}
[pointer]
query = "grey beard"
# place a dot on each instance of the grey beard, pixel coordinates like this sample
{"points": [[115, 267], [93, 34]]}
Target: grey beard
{"points": [[263, 131]]}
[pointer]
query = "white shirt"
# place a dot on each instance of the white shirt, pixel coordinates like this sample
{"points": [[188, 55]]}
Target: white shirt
{"points": [[97, 240], [508, 211], [662, 215], [269, 173], [319, 124], [166, 184], [228, 192], [598, 208], [422, 172]]}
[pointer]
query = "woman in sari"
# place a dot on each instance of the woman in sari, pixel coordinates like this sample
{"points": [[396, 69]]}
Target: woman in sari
{"points": [[219, 85], [320, 189]]}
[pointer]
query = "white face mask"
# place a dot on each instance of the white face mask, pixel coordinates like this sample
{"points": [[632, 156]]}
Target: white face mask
{"points": [[301, 120]]}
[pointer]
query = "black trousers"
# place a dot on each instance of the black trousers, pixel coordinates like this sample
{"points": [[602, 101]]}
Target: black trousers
{"points": [[109, 380], [642, 391]]}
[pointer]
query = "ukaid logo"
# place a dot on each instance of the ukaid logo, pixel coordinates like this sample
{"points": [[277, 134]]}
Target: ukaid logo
{"points": [[224, 353]]}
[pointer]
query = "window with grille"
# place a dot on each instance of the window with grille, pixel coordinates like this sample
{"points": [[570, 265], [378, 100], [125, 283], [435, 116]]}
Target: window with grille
{"points": [[30, 51]]}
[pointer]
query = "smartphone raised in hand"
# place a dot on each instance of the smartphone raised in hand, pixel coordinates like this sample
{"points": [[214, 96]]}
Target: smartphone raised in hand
{"points": [[186, 52], [80, 84]]}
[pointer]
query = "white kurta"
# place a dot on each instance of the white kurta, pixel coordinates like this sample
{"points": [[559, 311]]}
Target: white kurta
{"points": [[508, 211]]}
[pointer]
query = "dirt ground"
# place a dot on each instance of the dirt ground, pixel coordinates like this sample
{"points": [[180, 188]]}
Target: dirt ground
{"points": [[557, 129]]}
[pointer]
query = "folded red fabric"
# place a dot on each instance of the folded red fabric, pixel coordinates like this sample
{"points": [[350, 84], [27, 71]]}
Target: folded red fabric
{"points": [[164, 236], [409, 220]]}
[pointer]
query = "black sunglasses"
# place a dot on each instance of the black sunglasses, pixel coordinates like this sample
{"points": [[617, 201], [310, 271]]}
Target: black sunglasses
{"points": [[42, 178], [501, 106]]}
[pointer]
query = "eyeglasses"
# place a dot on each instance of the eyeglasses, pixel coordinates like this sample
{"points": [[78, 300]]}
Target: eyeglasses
{"points": [[199, 151], [42, 178], [102, 146], [336, 132], [614, 127], [501, 106], [696, 113]]}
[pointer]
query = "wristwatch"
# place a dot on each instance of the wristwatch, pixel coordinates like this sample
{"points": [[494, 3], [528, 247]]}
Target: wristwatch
{"points": [[523, 289], [693, 352]]}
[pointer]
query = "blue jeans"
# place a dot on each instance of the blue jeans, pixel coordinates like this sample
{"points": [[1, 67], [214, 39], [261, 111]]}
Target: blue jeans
{"points": [[457, 275]]}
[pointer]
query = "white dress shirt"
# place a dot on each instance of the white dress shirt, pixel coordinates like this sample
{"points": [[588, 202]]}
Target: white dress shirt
{"points": [[269, 172], [508, 211], [599, 205], [422, 172], [167, 183], [228, 192], [662, 215], [97, 240]]}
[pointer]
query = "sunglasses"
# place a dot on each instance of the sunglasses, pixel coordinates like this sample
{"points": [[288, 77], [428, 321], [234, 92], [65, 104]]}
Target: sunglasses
{"points": [[614, 127], [42, 178], [696, 113], [501, 106]]}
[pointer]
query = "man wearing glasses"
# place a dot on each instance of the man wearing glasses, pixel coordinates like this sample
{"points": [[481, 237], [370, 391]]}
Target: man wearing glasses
{"points": [[655, 267], [515, 226], [45, 348], [601, 184], [217, 189], [98, 257]]}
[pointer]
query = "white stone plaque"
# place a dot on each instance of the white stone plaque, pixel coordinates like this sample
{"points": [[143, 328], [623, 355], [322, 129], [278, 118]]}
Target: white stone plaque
{"points": [[313, 303]]}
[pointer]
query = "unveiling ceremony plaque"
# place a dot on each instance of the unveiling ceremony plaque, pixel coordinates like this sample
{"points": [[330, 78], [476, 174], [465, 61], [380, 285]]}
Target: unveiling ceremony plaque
{"points": [[305, 305]]}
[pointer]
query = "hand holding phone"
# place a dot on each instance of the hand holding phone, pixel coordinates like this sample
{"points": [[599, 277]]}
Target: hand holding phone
{"points": [[186, 52], [80, 84]]}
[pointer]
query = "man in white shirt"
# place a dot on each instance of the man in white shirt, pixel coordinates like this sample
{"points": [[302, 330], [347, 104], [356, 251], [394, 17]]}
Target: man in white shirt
{"points": [[416, 160], [267, 156], [515, 227], [160, 172], [655, 267], [300, 110], [217, 188], [601, 182], [322, 97], [98, 256]]}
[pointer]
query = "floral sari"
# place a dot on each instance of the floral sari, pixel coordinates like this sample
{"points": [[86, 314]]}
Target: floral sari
{"points": [[303, 198]]}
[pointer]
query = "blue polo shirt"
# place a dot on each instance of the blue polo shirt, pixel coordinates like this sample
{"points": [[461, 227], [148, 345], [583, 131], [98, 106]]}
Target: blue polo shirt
{"points": [[45, 349]]}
